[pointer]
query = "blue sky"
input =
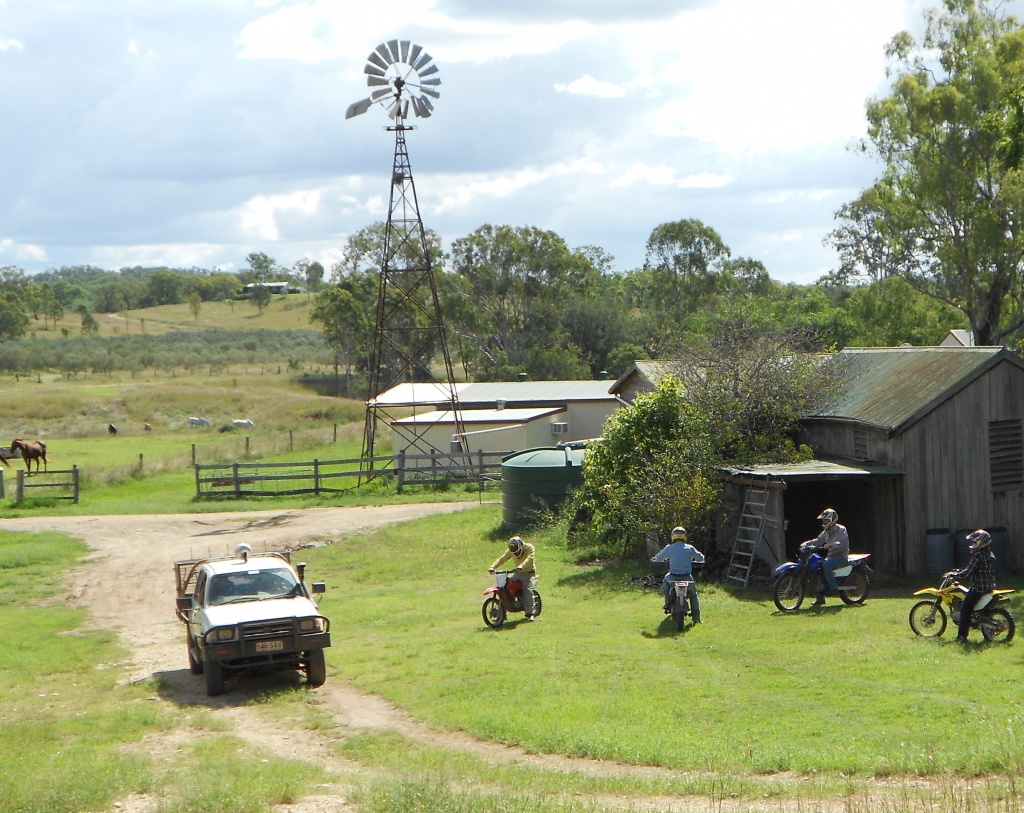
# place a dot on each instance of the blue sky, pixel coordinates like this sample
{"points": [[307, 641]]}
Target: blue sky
{"points": [[191, 133]]}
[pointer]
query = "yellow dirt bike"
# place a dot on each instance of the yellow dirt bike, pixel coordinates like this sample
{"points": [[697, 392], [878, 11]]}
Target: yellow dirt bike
{"points": [[928, 617]]}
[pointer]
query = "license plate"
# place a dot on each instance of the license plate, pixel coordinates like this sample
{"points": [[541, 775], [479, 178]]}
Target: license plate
{"points": [[270, 646]]}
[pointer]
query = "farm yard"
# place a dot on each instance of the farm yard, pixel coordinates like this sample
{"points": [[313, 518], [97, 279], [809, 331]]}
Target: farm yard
{"points": [[424, 706]]}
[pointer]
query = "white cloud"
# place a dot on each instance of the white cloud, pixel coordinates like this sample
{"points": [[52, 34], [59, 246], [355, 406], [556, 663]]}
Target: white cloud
{"points": [[22, 251], [178, 255], [11, 45], [457, 192], [587, 85], [259, 214], [133, 47], [665, 176]]}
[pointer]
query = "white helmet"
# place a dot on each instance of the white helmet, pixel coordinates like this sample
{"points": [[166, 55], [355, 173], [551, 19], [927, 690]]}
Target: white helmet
{"points": [[828, 518], [679, 534], [979, 540]]}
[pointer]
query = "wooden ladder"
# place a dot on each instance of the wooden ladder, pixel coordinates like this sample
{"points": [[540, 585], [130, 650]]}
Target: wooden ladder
{"points": [[749, 533]]}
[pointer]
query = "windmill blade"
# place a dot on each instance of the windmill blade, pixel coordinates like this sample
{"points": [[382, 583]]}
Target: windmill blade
{"points": [[394, 110], [424, 59], [379, 93], [405, 50], [430, 92], [428, 71], [416, 106], [414, 53], [434, 81], [393, 45], [374, 57], [427, 104], [405, 109], [421, 108], [376, 82], [373, 70], [357, 108], [382, 49]]}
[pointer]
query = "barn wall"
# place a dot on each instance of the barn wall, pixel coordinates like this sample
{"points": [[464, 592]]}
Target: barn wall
{"points": [[586, 419], [947, 482]]}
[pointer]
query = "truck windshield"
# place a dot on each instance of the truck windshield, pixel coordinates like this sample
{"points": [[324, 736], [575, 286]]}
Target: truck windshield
{"points": [[253, 585]]}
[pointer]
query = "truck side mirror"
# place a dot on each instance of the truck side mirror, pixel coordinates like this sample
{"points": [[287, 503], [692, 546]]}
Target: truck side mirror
{"points": [[184, 603], [319, 587]]}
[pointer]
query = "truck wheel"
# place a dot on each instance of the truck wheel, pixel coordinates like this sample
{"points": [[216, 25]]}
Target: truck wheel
{"points": [[214, 678], [194, 666], [316, 669]]}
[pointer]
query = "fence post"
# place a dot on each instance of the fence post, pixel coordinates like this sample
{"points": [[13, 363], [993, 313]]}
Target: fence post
{"points": [[291, 441], [1, 484], [20, 493], [199, 493], [433, 465], [246, 445], [480, 455], [74, 483], [140, 461], [234, 480], [400, 472], [316, 477], [335, 433], [194, 455]]}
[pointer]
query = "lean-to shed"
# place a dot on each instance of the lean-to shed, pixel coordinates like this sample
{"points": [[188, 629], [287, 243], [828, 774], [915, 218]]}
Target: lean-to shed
{"points": [[948, 418]]}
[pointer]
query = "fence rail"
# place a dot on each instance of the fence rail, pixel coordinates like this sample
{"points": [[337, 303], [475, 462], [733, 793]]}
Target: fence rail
{"points": [[328, 476], [27, 480]]}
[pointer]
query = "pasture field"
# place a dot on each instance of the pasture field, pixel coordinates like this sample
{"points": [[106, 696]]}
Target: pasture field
{"points": [[285, 311], [292, 423], [843, 691]]}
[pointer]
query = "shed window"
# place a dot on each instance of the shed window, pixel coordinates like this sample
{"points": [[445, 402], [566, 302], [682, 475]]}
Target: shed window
{"points": [[1006, 454]]}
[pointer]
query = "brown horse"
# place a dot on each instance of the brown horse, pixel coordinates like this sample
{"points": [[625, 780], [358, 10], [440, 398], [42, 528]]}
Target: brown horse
{"points": [[30, 450]]}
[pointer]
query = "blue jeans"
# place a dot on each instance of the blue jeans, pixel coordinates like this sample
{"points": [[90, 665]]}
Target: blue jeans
{"points": [[829, 566], [691, 592], [966, 611]]}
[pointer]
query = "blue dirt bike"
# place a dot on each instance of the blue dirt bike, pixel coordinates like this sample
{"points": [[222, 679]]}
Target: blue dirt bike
{"points": [[804, 577]]}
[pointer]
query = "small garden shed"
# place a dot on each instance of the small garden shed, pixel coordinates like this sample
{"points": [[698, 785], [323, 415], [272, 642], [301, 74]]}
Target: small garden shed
{"points": [[951, 419]]}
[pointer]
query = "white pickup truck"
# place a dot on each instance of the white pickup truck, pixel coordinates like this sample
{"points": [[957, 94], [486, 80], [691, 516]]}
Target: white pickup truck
{"points": [[250, 613]]}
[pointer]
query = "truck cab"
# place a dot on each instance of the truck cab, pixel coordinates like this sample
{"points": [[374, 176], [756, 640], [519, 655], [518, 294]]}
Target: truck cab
{"points": [[250, 613]]}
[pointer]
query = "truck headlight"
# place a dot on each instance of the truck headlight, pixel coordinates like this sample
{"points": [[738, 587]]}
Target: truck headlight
{"points": [[220, 634], [311, 625]]}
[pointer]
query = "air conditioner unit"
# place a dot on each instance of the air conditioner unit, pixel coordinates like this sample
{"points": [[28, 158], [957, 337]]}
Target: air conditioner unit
{"points": [[560, 428]]}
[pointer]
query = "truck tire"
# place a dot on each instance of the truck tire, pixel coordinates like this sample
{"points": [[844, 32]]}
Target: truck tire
{"points": [[316, 669], [194, 666], [214, 678]]}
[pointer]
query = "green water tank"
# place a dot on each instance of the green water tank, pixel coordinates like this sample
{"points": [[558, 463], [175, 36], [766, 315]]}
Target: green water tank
{"points": [[536, 480]]}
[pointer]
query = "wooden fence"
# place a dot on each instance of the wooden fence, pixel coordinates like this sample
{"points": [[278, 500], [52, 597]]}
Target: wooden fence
{"points": [[45, 480], [329, 476]]}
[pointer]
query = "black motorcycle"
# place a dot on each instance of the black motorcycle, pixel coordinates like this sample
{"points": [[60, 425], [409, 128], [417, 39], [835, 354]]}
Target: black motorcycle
{"points": [[798, 579]]}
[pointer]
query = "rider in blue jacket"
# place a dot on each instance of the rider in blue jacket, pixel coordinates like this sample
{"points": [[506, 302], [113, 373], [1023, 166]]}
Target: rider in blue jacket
{"points": [[680, 556]]}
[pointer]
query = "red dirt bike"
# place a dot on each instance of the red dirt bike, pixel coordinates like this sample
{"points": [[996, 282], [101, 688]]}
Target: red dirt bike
{"points": [[506, 597]]}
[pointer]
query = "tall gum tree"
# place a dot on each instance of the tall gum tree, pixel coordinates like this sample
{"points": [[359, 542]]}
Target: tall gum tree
{"points": [[947, 213]]}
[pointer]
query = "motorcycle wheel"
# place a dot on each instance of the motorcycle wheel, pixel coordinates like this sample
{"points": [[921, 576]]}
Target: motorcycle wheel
{"points": [[859, 580], [494, 613], [679, 616], [788, 594], [928, 619], [999, 628], [536, 604]]}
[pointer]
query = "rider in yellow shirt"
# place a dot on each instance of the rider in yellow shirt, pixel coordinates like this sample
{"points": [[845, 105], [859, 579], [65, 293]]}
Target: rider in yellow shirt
{"points": [[522, 553]]}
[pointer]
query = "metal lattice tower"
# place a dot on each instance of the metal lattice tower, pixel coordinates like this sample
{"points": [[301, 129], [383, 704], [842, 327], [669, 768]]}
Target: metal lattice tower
{"points": [[409, 334]]}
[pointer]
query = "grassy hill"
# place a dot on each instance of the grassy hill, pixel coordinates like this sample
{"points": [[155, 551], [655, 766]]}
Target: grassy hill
{"points": [[285, 311]]}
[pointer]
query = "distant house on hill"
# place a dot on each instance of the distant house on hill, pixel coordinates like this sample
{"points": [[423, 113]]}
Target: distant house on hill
{"points": [[501, 415], [273, 287], [916, 438]]}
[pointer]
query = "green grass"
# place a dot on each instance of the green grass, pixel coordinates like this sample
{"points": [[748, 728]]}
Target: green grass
{"points": [[604, 675]]}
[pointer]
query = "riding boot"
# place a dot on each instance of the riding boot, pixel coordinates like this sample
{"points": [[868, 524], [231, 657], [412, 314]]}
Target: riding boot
{"points": [[819, 599]]}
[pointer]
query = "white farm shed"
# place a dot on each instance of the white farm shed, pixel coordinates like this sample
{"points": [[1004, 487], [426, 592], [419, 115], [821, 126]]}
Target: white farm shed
{"points": [[504, 416]]}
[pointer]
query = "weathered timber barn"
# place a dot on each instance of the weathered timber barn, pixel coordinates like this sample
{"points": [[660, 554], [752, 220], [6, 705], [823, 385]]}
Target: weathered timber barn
{"points": [[948, 418]]}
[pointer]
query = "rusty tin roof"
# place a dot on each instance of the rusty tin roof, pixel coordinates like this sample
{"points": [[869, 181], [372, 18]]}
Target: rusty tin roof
{"points": [[892, 388]]}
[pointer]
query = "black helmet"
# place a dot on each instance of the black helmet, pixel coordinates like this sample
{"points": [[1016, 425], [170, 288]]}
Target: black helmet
{"points": [[515, 544], [979, 540]]}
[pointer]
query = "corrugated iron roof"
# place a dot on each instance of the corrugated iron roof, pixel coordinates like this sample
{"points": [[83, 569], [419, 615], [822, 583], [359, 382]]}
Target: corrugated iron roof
{"points": [[652, 370], [489, 392], [891, 388], [827, 468], [474, 416]]}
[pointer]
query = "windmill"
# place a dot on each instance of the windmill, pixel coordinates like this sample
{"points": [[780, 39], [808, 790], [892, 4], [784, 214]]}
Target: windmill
{"points": [[409, 332]]}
